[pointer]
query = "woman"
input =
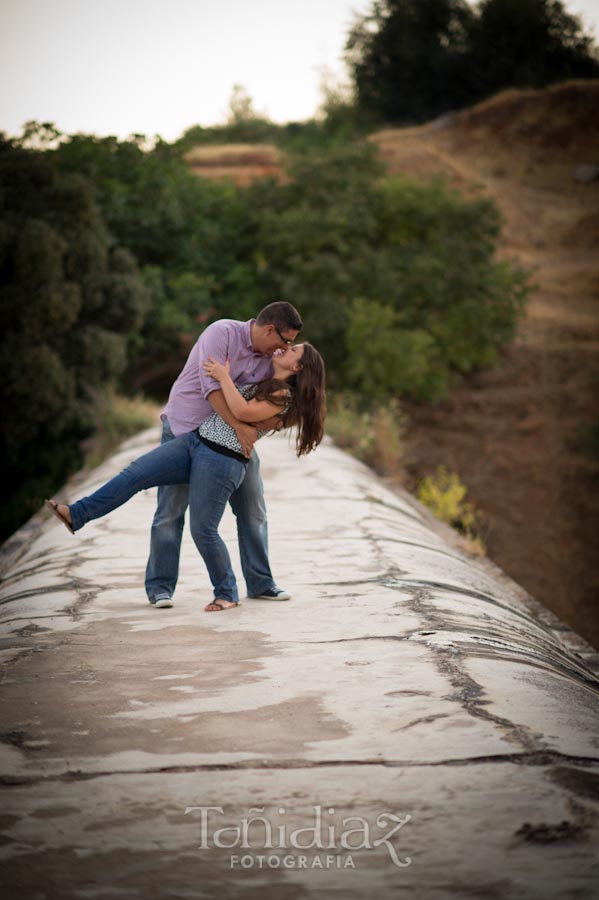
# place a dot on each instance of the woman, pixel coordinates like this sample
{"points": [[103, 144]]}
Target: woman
{"points": [[211, 458]]}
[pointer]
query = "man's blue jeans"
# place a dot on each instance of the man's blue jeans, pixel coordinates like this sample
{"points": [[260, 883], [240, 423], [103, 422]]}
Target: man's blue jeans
{"points": [[162, 570]]}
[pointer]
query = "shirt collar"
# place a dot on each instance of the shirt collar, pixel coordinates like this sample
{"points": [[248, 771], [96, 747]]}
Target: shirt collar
{"points": [[247, 335]]}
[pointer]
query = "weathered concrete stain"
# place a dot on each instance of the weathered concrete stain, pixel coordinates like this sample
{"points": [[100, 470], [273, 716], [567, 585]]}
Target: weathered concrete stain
{"points": [[403, 677]]}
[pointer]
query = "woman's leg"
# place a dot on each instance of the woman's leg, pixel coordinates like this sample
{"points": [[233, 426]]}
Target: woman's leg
{"points": [[249, 508], [213, 479], [168, 464]]}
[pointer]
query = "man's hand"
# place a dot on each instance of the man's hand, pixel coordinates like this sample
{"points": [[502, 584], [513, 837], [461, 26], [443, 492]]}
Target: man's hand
{"points": [[247, 436]]}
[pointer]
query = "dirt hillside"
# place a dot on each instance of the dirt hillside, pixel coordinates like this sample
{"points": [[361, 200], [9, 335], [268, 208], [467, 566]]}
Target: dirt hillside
{"points": [[521, 436]]}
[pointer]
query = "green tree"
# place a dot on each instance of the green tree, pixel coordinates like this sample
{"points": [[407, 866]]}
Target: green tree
{"points": [[414, 59], [190, 236], [68, 302], [528, 43], [388, 357], [313, 237], [441, 272], [243, 125], [409, 58]]}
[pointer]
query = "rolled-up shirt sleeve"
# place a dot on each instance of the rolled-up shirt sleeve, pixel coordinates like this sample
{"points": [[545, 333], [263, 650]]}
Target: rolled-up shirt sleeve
{"points": [[215, 343]]}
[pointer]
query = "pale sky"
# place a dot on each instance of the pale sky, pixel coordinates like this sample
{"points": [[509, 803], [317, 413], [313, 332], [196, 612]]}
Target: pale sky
{"points": [[159, 66]]}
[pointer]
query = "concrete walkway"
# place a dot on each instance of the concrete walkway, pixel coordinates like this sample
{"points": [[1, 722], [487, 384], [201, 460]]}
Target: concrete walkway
{"points": [[409, 724]]}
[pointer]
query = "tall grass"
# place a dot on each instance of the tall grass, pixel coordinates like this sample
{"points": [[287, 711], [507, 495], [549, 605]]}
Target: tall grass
{"points": [[373, 434], [116, 418]]}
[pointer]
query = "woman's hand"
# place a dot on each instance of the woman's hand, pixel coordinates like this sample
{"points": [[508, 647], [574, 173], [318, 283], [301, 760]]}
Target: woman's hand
{"points": [[215, 369]]}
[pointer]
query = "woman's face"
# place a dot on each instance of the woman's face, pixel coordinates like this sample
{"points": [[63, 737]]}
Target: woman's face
{"points": [[290, 359]]}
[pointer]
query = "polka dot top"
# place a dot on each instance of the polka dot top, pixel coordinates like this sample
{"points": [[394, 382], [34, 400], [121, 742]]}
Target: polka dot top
{"points": [[221, 436]]}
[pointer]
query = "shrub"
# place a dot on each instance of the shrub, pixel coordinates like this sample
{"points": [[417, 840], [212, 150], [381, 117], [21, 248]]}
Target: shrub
{"points": [[116, 418], [445, 495], [387, 358], [374, 436]]}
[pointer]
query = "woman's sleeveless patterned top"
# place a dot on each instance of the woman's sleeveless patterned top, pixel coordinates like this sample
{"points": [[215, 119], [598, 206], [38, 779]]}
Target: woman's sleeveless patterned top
{"points": [[217, 431]]}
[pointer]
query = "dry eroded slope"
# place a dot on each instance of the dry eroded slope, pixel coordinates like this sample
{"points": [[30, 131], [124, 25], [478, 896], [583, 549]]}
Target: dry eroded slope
{"points": [[520, 435]]}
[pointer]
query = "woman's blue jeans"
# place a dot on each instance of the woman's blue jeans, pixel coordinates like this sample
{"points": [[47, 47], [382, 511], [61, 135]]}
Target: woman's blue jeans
{"points": [[213, 478], [248, 505]]}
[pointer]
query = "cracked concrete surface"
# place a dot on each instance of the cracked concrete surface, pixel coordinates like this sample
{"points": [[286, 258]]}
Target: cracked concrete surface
{"points": [[403, 679]]}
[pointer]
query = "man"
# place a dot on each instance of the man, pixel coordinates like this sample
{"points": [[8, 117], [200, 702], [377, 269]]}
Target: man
{"points": [[194, 396]]}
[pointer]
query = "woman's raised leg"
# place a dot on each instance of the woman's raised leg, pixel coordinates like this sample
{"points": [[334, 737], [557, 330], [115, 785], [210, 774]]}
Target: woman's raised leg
{"points": [[168, 464]]}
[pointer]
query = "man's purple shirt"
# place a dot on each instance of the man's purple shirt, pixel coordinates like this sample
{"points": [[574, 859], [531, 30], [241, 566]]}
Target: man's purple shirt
{"points": [[187, 405]]}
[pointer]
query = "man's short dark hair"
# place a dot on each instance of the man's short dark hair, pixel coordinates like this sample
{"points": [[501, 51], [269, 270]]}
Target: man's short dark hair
{"points": [[282, 315]]}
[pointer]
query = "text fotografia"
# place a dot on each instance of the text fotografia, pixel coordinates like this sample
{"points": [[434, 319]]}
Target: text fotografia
{"points": [[356, 834]]}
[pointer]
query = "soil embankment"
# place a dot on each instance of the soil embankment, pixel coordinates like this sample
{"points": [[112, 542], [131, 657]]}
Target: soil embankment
{"points": [[521, 435]]}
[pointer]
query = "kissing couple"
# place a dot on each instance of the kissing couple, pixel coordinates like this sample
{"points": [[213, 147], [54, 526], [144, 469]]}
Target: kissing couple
{"points": [[242, 380]]}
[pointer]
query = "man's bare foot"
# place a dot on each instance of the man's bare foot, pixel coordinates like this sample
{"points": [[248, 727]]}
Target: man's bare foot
{"points": [[218, 605], [62, 512]]}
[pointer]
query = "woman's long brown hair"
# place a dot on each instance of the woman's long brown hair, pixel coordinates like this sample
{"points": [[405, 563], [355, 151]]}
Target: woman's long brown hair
{"points": [[303, 395], [308, 404]]}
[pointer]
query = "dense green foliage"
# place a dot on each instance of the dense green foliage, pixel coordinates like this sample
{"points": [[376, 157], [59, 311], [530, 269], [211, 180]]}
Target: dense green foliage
{"points": [[114, 257], [412, 60], [190, 236], [396, 279], [69, 298], [408, 264]]}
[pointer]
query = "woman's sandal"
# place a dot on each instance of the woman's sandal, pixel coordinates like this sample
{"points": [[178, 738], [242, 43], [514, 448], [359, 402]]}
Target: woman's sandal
{"points": [[219, 604], [52, 505]]}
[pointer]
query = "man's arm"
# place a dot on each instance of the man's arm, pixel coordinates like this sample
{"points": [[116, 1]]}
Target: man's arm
{"points": [[246, 434]]}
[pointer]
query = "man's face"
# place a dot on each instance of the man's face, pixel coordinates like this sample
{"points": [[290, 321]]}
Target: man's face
{"points": [[271, 339]]}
